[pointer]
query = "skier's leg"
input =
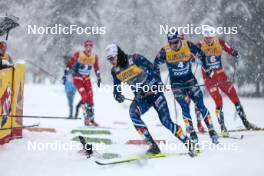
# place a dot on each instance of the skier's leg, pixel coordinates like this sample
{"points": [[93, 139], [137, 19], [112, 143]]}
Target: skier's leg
{"points": [[217, 97], [180, 96], [70, 96], [161, 106], [197, 96], [230, 91], [77, 109], [89, 99], [89, 90], [199, 120], [198, 116], [79, 84], [228, 88], [137, 108]]}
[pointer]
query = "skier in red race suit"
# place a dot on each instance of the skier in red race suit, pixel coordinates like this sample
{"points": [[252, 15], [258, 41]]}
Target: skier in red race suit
{"points": [[215, 78], [81, 63]]}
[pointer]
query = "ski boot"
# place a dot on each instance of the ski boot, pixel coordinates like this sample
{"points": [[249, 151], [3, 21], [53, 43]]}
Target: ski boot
{"points": [[194, 137], [88, 110], [90, 122], [153, 149], [242, 115], [224, 132], [200, 126], [193, 150], [88, 148], [213, 136]]}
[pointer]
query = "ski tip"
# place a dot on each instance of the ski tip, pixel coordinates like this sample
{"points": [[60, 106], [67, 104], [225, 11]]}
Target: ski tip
{"points": [[99, 163]]}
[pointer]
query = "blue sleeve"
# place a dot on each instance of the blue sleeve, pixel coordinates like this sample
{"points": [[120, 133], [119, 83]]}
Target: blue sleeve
{"points": [[160, 59], [116, 83], [195, 50], [145, 63]]}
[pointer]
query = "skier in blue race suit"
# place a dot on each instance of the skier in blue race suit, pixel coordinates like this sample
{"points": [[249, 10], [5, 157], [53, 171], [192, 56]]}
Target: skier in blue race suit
{"points": [[177, 54], [137, 71], [70, 91]]}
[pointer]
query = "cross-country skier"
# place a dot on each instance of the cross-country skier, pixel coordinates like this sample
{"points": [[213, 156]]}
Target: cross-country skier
{"points": [[82, 63], [70, 91], [5, 59], [188, 99], [216, 79], [138, 72], [177, 54]]}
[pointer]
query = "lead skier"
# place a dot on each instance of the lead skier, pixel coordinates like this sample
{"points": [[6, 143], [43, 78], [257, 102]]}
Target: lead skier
{"points": [[137, 71]]}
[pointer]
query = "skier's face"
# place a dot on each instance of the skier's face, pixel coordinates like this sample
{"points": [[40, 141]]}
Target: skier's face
{"points": [[2, 51], [113, 60], [209, 40], [175, 44], [88, 48]]}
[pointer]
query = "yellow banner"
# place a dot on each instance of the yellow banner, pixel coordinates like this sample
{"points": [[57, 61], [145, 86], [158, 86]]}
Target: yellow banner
{"points": [[6, 77], [11, 102], [17, 99]]}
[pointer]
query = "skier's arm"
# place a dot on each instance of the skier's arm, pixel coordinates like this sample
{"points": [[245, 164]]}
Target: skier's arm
{"points": [[196, 50], [145, 63], [69, 65], [96, 67], [228, 48], [225, 46], [73, 60], [117, 88], [160, 59]]}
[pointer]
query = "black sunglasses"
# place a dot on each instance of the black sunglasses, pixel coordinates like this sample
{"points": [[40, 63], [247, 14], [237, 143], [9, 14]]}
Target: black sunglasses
{"points": [[111, 58], [174, 42]]}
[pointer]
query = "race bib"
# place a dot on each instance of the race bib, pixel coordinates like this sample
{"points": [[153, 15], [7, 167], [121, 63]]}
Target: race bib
{"points": [[129, 73]]}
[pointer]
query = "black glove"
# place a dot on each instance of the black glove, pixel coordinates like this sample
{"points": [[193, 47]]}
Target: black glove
{"points": [[210, 73], [119, 98], [64, 79], [99, 82], [236, 55]]}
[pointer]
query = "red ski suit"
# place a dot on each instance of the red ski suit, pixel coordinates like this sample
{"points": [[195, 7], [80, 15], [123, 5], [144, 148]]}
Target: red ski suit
{"points": [[82, 65], [213, 62]]}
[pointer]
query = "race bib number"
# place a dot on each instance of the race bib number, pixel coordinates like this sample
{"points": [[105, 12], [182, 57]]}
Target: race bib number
{"points": [[86, 60], [129, 73]]}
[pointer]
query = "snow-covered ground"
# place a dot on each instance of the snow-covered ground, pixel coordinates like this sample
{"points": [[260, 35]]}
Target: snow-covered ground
{"points": [[17, 158]]}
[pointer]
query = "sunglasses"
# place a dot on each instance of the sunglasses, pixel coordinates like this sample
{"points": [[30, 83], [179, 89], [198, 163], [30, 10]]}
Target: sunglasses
{"points": [[110, 59], [175, 42]]}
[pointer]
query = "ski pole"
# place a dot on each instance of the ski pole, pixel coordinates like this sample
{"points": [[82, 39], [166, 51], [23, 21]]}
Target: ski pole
{"points": [[37, 116], [129, 99], [25, 126]]}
